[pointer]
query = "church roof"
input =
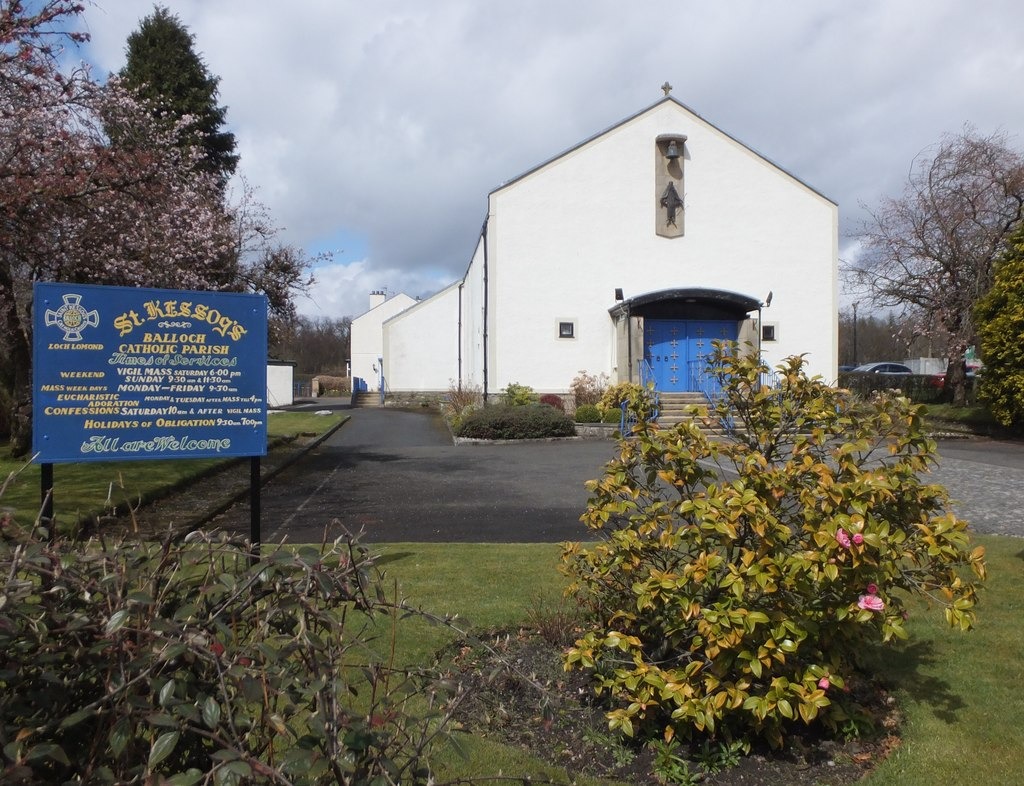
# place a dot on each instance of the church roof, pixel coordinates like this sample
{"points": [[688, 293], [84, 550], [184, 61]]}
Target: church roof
{"points": [[634, 116]]}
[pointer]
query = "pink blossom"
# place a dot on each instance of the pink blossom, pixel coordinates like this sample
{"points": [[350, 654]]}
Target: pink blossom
{"points": [[843, 539], [870, 602], [858, 538], [823, 683], [872, 589]]}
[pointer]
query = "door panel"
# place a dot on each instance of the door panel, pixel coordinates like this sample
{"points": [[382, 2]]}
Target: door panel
{"points": [[675, 346]]}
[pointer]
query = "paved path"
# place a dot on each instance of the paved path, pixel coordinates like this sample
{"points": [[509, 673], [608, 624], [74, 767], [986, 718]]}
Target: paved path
{"points": [[395, 476], [985, 477]]}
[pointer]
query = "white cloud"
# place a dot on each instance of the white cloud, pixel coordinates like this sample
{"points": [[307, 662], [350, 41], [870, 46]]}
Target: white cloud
{"points": [[343, 288], [393, 120]]}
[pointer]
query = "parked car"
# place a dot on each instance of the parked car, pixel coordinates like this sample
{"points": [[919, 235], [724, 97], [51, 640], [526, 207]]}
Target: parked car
{"points": [[973, 369], [883, 367]]}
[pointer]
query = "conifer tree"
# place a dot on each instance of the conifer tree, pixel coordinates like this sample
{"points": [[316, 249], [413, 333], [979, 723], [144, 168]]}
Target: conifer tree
{"points": [[1000, 316], [164, 69]]}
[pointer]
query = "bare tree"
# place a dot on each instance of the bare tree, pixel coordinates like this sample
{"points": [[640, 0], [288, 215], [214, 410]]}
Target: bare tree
{"points": [[931, 251], [318, 345], [883, 337]]}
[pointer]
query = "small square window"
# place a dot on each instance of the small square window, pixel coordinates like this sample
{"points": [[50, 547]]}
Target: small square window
{"points": [[567, 330], [768, 333]]}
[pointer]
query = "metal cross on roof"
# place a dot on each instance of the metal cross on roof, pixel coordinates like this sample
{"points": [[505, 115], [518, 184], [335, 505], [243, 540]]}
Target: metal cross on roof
{"points": [[667, 88]]}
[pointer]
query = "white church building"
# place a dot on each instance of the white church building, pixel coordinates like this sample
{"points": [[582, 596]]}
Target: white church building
{"points": [[632, 250]]}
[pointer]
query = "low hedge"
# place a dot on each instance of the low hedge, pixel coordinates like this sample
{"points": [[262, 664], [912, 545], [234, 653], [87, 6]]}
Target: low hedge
{"points": [[919, 388], [533, 421]]}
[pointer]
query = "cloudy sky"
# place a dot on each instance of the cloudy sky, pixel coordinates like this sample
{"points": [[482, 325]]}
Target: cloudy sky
{"points": [[375, 129]]}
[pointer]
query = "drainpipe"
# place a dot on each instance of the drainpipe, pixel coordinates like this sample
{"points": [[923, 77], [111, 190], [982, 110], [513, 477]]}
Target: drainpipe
{"points": [[629, 340], [483, 235], [459, 349], [760, 332]]}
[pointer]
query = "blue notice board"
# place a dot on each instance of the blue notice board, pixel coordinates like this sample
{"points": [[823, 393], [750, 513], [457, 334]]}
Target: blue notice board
{"points": [[121, 373]]}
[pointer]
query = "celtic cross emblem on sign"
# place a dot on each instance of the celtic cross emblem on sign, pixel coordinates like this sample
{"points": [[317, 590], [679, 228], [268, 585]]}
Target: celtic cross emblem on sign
{"points": [[72, 318]]}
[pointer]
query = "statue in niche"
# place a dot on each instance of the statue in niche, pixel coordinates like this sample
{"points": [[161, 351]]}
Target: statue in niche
{"points": [[672, 203]]}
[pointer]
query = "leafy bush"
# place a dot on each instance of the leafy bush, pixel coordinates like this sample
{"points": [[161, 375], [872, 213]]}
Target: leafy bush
{"points": [[588, 413], [534, 421], [1000, 317], [186, 664], [323, 385], [623, 392], [738, 580], [587, 388], [612, 416], [920, 388], [553, 401], [516, 395]]}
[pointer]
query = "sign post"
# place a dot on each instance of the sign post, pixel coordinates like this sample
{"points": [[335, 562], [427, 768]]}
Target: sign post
{"points": [[122, 373]]}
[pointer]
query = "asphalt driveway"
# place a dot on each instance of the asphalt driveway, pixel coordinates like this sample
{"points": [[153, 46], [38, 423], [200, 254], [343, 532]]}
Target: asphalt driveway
{"points": [[396, 476]]}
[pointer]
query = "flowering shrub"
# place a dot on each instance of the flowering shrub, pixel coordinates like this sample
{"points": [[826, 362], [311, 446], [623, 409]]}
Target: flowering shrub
{"points": [[187, 664], [736, 581]]}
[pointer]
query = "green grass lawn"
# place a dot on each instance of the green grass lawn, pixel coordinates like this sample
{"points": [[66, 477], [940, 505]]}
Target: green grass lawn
{"points": [[82, 489], [962, 693]]}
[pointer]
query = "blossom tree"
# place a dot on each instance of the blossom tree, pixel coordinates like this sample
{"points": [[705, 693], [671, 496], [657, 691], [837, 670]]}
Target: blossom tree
{"points": [[75, 207]]}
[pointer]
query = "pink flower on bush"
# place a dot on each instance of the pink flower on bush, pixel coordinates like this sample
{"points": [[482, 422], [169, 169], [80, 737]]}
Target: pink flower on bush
{"points": [[872, 589], [858, 538], [871, 603], [842, 538], [823, 683]]}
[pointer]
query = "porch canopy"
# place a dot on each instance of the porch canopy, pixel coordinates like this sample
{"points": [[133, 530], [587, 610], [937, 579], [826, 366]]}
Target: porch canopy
{"points": [[687, 303]]}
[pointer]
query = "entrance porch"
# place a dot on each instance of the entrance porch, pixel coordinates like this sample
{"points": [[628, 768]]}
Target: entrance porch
{"points": [[669, 333]]}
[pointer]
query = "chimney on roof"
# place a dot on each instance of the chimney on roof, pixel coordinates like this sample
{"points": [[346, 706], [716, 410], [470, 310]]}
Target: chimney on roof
{"points": [[377, 297]]}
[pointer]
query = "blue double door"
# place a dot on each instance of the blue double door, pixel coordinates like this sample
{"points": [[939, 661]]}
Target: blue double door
{"points": [[677, 349]]}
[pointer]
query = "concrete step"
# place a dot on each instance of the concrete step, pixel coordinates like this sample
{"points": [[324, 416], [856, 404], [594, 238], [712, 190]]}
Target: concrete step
{"points": [[674, 408], [368, 399]]}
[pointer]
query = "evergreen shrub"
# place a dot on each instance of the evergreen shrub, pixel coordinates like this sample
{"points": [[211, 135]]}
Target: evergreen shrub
{"points": [[737, 581], [516, 395], [1000, 318], [588, 413], [919, 388], [534, 421]]}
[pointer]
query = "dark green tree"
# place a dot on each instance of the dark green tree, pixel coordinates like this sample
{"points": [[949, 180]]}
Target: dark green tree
{"points": [[165, 70], [1000, 318]]}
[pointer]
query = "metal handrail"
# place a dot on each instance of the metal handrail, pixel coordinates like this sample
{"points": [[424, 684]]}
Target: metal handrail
{"points": [[645, 371]]}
